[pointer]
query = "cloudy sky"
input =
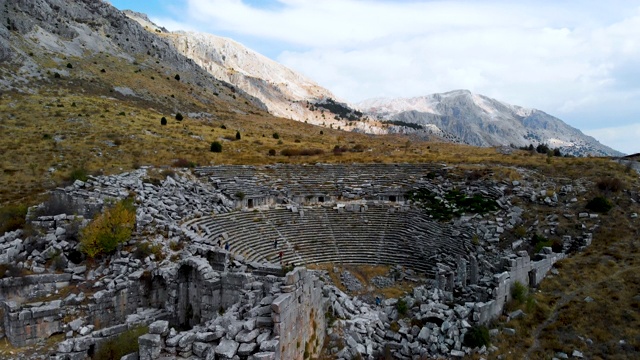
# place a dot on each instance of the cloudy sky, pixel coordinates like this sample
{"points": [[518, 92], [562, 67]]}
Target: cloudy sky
{"points": [[577, 60]]}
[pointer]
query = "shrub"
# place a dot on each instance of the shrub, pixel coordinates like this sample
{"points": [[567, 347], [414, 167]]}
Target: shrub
{"points": [[176, 245], [402, 307], [78, 174], [240, 195], [145, 249], [179, 117], [12, 217], [223, 127], [599, 204], [11, 270], [163, 121], [238, 137], [183, 163], [519, 292], [610, 184], [56, 76], [69, 66], [177, 77], [272, 152], [477, 336], [216, 147], [276, 136], [109, 229], [123, 344]]}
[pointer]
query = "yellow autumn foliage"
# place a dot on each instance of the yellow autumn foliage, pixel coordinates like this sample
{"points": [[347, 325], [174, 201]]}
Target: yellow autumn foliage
{"points": [[109, 229]]}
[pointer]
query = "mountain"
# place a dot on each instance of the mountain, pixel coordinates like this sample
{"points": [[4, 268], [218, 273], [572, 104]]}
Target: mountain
{"points": [[285, 93], [478, 120]]}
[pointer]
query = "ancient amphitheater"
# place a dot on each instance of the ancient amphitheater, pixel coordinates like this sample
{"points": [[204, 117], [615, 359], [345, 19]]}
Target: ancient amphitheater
{"points": [[237, 287]]}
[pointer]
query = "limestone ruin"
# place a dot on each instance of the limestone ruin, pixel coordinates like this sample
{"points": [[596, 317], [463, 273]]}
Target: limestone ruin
{"points": [[233, 281]]}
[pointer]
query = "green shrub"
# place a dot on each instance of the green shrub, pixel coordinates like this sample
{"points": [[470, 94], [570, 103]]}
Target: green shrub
{"points": [[177, 77], [477, 336], [12, 217], [276, 136], [69, 66], [240, 195], [519, 292], [179, 117], [223, 127], [272, 152], [216, 147], [599, 204], [121, 345], [402, 307], [238, 137], [163, 121], [78, 174]]}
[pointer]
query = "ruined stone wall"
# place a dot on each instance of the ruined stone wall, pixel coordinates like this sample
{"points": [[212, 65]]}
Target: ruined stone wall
{"points": [[520, 269], [25, 325], [32, 285], [298, 316]]}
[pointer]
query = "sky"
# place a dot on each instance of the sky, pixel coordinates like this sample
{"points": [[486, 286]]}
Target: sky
{"points": [[576, 60]]}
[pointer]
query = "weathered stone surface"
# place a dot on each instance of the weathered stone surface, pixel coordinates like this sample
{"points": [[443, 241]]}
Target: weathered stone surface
{"points": [[246, 336], [150, 346], [227, 349]]}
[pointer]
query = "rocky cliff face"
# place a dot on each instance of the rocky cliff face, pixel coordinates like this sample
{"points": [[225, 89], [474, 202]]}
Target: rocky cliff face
{"points": [[481, 121], [285, 93], [56, 29]]}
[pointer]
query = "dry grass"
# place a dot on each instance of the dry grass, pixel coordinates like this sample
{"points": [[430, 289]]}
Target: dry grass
{"points": [[80, 121], [364, 274], [608, 272]]}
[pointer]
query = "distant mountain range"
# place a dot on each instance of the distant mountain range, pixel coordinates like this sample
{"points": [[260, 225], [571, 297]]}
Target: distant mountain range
{"points": [[478, 120]]}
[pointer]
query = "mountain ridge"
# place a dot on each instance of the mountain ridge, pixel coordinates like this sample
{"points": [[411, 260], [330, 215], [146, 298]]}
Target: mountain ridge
{"points": [[479, 120]]}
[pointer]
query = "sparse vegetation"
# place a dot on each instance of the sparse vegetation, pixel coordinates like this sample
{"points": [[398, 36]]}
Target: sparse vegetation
{"points": [[163, 121], [452, 204], [12, 217], [477, 336], [179, 117], [599, 204], [123, 344]]}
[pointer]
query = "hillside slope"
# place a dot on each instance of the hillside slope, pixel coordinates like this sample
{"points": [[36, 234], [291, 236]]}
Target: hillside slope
{"points": [[482, 121], [285, 92]]}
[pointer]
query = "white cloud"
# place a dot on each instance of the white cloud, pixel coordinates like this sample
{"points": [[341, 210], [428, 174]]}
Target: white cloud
{"points": [[622, 138], [575, 60]]}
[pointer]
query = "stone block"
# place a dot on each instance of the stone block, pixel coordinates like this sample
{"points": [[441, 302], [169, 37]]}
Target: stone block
{"points": [[200, 348], [280, 303], [150, 346], [160, 327], [263, 356], [226, 349], [247, 348], [246, 336]]}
